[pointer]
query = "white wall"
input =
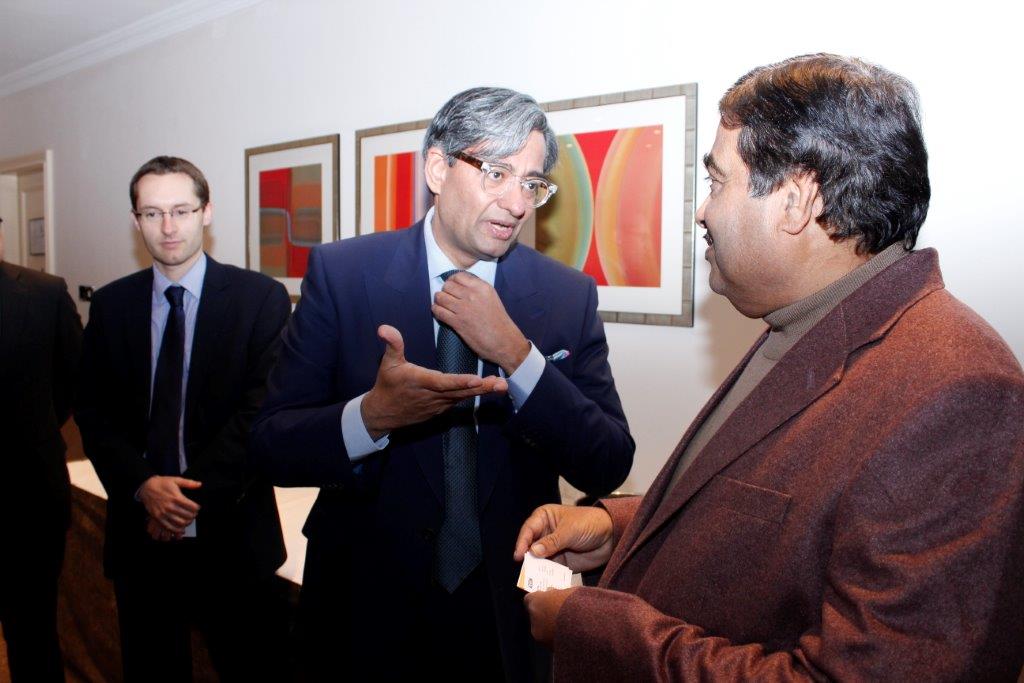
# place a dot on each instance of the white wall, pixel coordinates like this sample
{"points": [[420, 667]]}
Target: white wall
{"points": [[284, 70]]}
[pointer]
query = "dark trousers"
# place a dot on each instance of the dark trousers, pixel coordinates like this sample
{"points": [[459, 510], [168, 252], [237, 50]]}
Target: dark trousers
{"points": [[459, 641], [176, 587], [28, 602], [450, 637]]}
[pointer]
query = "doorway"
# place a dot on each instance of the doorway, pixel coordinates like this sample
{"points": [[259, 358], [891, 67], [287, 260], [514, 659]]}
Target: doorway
{"points": [[26, 206]]}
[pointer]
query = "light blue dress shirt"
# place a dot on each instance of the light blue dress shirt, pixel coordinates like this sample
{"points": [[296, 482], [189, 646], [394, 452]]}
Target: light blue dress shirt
{"points": [[192, 281], [521, 383]]}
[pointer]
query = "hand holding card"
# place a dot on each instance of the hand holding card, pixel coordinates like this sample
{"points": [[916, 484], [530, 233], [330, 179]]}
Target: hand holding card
{"points": [[540, 575]]}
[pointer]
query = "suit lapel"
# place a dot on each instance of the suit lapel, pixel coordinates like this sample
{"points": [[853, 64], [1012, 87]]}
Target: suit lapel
{"points": [[211, 318], [656, 493], [515, 282], [807, 371], [812, 367], [138, 341], [401, 298]]}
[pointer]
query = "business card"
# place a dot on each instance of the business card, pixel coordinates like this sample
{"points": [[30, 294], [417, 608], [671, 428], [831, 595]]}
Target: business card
{"points": [[540, 575]]}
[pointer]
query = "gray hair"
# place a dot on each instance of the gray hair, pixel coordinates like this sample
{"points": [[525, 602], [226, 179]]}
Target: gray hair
{"points": [[494, 122]]}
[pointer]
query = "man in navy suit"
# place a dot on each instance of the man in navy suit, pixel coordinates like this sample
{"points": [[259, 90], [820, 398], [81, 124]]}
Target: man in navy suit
{"points": [[426, 464], [174, 368]]}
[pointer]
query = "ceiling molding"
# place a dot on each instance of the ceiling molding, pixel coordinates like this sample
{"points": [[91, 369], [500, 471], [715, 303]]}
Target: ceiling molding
{"points": [[120, 41]]}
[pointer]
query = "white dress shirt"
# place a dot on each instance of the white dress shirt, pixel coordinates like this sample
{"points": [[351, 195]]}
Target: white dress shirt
{"points": [[192, 281]]}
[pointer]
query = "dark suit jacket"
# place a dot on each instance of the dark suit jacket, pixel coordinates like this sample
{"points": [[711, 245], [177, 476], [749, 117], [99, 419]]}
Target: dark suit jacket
{"points": [[386, 511], [40, 339], [857, 518], [237, 335]]}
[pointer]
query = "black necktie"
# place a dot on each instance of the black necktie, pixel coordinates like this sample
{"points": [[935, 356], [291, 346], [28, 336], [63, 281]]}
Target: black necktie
{"points": [[458, 542], [163, 447]]}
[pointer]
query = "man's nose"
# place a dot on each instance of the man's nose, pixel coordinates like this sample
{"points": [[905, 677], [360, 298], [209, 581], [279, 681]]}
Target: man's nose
{"points": [[514, 201]]}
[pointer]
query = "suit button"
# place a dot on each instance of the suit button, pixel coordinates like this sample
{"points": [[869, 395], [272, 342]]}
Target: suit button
{"points": [[427, 534]]}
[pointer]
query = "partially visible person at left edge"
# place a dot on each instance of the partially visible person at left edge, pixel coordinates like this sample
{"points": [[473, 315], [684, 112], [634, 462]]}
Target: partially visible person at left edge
{"points": [[174, 365], [40, 338]]}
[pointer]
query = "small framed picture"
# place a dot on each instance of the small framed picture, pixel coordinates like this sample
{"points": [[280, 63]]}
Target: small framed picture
{"points": [[36, 237], [291, 199]]}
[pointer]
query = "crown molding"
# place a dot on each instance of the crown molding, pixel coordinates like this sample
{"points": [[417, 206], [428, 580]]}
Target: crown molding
{"points": [[120, 41]]}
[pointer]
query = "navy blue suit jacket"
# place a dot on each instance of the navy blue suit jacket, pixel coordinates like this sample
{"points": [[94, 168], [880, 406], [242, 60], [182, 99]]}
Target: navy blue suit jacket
{"points": [[385, 510]]}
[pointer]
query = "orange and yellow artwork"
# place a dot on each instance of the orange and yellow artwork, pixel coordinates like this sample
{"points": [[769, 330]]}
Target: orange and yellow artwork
{"points": [[606, 216]]}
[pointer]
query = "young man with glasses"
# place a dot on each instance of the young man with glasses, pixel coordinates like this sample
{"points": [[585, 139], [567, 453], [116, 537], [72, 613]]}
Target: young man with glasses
{"points": [[174, 366], [435, 382]]}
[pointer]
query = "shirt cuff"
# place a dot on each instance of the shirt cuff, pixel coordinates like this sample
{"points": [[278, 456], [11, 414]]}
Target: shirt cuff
{"points": [[525, 378], [358, 443]]}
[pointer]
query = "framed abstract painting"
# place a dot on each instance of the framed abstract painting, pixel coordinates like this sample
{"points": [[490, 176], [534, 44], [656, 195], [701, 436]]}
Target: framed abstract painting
{"points": [[390, 190], [291, 199], [624, 209]]}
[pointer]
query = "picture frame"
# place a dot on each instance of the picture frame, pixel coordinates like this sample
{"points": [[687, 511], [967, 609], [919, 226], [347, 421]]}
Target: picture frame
{"points": [[292, 204], [36, 237], [624, 209], [390, 190]]}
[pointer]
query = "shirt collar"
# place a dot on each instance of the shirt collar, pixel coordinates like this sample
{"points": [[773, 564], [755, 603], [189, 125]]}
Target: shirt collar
{"points": [[192, 281], [439, 263]]}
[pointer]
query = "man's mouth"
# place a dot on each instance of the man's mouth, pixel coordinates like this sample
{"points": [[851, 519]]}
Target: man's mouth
{"points": [[502, 230], [709, 239]]}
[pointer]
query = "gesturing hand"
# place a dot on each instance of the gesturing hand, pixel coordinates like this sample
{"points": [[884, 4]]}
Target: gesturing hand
{"points": [[578, 537], [472, 308], [405, 393]]}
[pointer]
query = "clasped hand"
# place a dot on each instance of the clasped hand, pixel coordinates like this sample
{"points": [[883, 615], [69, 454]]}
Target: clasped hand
{"points": [[169, 510]]}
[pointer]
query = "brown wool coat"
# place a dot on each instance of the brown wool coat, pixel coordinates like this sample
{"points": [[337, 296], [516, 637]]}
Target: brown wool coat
{"points": [[858, 518]]}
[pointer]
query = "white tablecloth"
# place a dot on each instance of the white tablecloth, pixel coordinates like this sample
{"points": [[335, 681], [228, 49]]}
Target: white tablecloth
{"points": [[293, 504]]}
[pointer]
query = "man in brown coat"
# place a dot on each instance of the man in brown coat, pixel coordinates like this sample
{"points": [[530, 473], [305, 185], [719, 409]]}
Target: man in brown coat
{"points": [[848, 505]]}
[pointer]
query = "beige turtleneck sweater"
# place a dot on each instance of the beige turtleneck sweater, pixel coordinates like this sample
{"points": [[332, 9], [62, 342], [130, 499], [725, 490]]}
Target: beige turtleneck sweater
{"points": [[788, 325]]}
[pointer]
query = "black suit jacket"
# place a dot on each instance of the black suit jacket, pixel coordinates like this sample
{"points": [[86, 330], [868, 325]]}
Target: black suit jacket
{"points": [[371, 532], [241, 314], [40, 340]]}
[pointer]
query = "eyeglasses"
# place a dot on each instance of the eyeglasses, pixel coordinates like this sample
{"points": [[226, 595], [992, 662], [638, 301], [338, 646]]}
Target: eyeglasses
{"points": [[178, 214], [495, 180]]}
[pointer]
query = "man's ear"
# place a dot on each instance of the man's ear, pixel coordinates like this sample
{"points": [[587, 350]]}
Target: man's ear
{"points": [[803, 202], [435, 169], [207, 214]]}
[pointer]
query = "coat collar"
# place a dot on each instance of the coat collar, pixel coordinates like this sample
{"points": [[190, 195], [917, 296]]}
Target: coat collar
{"points": [[211, 319], [813, 366]]}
